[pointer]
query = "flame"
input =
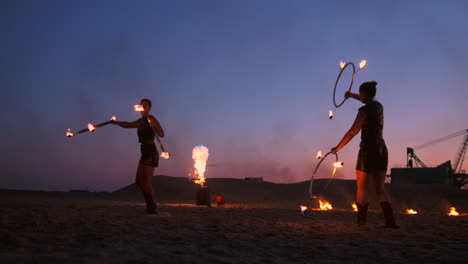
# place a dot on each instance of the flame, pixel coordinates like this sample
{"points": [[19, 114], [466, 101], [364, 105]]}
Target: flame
{"points": [[200, 156], [362, 64], [453, 211], [338, 164], [319, 155], [325, 205], [342, 64], [138, 108], [330, 114], [113, 118], [303, 208], [69, 133], [411, 211], [91, 127], [165, 155], [354, 207]]}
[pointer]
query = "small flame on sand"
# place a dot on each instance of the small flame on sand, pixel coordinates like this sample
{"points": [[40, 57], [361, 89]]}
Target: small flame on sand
{"points": [[200, 157], [165, 155], [319, 155], [91, 127], [330, 114], [362, 64], [325, 205], [338, 164], [354, 207], [453, 211], [138, 108], [303, 208], [342, 64], [411, 211], [113, 118], [69, 133]]}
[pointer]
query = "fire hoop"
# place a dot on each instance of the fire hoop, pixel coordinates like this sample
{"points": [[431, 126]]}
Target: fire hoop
{"points": [[311, 194], [338, 79]]}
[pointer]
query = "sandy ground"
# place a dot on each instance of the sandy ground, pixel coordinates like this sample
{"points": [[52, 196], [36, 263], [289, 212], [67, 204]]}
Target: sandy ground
{"points": [[41, 229]]}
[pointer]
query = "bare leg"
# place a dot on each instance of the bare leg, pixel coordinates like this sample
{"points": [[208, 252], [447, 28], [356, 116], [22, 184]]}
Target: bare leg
{"points": [[148, 179], [379, 185], [362, 181], [139, 179]]}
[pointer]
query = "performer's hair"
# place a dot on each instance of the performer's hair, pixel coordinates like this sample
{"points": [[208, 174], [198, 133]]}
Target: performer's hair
{"points": [[146, 100], [369, 89]]}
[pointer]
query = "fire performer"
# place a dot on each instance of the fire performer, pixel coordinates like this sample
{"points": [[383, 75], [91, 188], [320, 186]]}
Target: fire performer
{"points": [[372, 159], [147, 125]]}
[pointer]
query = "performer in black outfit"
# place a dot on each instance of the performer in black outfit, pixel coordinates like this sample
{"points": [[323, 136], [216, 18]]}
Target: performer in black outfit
{"points": [[147, 126], [372, 160]]}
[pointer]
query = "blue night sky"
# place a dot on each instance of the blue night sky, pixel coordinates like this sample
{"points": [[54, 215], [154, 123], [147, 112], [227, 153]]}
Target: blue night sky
{"points": [[251, 80]]}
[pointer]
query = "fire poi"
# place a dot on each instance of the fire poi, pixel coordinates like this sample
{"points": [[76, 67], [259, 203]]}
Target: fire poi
{"points": [[343, 66], [164, 153]]}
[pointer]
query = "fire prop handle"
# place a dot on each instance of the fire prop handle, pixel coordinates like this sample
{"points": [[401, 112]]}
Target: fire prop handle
{"points": [[96, 126], [312, 195]]}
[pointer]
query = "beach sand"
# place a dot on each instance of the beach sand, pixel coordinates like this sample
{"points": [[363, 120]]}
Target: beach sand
{"points": [[60, 228]]}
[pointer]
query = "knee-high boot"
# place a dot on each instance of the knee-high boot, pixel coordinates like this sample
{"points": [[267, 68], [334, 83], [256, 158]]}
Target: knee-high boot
{"points": [[362, 213], [388, 214]]}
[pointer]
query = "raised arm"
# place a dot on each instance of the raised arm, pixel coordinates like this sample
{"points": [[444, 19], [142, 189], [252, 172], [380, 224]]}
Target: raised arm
{"points": [[133, 124], [353, 131], [352, 95], [156, 126]]}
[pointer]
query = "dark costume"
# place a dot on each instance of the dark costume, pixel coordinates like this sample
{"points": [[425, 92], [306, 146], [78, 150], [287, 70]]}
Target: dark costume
{"points": [[373, 154], [149, 152]]}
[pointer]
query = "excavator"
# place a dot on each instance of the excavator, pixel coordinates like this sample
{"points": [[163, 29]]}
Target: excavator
{"points": [[457, 174]]}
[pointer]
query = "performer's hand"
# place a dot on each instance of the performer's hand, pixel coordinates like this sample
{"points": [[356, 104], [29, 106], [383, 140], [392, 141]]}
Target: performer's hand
{"points": [[348, 94], [334, 150]]}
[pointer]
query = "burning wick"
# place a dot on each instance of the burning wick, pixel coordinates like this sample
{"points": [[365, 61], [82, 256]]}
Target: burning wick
{"points": [[303, 209], [411, 211], [362, 64], [338, 164], [330, 114], [69, 133], [113, 118], [354, 207], [165, 155], [319, 155], [453, 212], [342, 64], [138, 108], [91, 127]]}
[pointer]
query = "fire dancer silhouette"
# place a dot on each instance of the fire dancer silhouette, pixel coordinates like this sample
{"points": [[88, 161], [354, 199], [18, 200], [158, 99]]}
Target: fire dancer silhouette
{"points": [[372, 161], [147, 126]]}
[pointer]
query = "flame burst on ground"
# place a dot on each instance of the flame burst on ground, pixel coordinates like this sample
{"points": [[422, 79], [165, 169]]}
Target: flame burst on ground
{"points": [[324, 206], [200, 157], [411, 211], [453, 212], [354, 207]]}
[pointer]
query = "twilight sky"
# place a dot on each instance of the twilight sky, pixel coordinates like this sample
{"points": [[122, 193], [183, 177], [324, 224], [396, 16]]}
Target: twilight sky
{"points": [[250, 80]]}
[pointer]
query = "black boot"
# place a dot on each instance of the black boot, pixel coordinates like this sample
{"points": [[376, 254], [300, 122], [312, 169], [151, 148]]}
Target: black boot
{"points": [[362, 214], [150, 205], [388, 214]]}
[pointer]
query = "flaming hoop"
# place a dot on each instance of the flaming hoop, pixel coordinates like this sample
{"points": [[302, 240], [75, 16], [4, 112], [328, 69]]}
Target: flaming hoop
{"points": [[343, 66], [336, 164]]}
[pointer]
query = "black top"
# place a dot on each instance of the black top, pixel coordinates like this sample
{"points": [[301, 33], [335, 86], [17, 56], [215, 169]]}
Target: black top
{"points": [[372, 128], [145, 130]]}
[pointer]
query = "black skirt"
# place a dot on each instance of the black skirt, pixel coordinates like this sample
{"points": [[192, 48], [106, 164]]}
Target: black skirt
{"points": [[372, 159], [149, 155]]}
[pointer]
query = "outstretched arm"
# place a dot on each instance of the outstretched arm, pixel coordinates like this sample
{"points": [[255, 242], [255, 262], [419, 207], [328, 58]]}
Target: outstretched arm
{"points": [[133, 124], [349, 94], [353, 131], [156, 126]]}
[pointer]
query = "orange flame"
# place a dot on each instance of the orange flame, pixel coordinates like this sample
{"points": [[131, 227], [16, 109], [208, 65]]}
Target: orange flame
{"points": [[165, 155], [330, 114], [325, 205], [91, 128], [411, 211], [303, 208], [319, 155], [200, 156], [138, 108], [113, 118], [453, 211], [362, 64], [354, 207], [338, 164], [69, 133], [342, 64]]}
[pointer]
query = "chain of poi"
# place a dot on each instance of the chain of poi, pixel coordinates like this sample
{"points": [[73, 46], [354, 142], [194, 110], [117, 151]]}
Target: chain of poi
{"points": [[311, 194]]}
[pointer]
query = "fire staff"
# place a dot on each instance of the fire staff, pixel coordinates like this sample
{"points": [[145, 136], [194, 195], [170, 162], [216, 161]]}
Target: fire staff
{"points": [[148, 126], [372, 159]]}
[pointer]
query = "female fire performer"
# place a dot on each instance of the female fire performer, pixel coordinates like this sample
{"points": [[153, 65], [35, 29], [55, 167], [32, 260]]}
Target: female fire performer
{"points": [[372, 159], [147, 126]]}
